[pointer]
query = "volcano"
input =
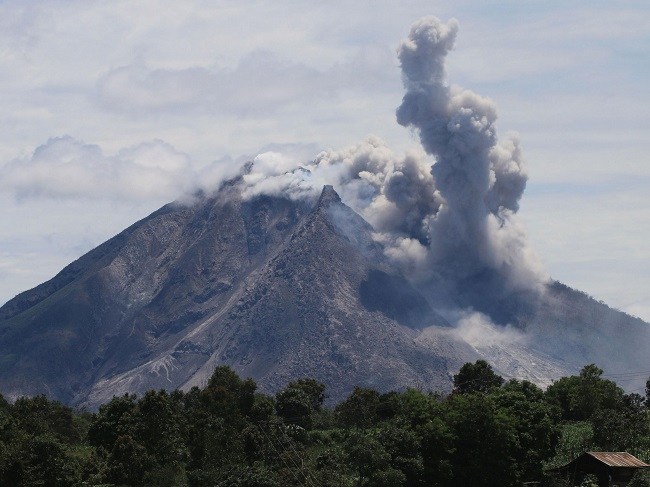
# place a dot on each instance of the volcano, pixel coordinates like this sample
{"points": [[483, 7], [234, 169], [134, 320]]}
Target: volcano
{"points": [[418, 267], [278, 289]]}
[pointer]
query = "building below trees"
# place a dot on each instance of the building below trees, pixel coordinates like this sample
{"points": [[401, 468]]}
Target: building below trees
{"points": [[611, 469]]}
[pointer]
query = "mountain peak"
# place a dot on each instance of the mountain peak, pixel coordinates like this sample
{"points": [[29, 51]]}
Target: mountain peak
{"points": [[328, 196]]}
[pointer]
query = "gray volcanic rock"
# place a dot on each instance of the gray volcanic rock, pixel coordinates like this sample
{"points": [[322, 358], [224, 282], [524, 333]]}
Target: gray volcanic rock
{"points": [[136, 294], [301, 314], [277, 289], [581, 330]]}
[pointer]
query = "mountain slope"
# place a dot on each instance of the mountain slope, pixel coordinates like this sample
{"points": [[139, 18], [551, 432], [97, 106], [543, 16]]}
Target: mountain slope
{"points": [[265, 285], [277, 289], [302, 314], [115, 306]]}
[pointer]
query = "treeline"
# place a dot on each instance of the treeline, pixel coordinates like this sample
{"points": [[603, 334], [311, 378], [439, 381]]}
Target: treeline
{"points": [[488, 432]]}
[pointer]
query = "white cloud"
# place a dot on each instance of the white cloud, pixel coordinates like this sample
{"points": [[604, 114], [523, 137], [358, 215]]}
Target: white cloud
{"points": [[67, 168]]}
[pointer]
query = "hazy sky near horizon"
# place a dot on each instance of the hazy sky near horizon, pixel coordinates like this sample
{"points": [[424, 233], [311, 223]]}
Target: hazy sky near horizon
{"points": [[110, 109]]}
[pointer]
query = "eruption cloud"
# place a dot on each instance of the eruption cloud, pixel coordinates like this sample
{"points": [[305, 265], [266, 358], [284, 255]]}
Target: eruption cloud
{"points": [[475, 234], [446, 217]]}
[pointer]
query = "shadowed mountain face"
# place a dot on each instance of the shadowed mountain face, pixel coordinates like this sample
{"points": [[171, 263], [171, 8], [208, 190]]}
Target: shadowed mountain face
{"points": [[278, 290]]}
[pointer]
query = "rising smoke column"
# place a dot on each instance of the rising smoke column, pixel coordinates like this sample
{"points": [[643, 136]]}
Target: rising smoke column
{"points": [[475, 239], [446, 219]]}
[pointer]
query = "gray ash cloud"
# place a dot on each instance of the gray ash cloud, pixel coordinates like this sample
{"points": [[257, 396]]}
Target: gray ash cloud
{"points": [[445, 215]]}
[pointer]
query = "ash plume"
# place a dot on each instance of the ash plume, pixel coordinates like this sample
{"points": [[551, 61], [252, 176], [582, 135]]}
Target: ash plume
{"points": [[446, 216], [475, 234]]}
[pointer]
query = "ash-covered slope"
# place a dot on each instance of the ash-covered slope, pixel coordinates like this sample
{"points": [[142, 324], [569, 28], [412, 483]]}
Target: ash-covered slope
{"points": [[116, 306], [316, 308], [276, 288], [575, 327]]}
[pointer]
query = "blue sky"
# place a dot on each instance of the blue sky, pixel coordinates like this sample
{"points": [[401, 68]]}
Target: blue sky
{"points": [[110, 109]]}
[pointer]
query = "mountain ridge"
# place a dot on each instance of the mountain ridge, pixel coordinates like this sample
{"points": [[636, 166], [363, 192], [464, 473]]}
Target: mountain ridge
{"points": [[277, 288]]}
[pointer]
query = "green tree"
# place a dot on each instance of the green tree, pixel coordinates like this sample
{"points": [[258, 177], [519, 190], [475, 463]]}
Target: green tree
{"points": [[403, 446], [300, 401], [366, 455], [640, 479], [40, 416], [44, 462], [331, 469], [389, 477], [437, 447], [536, 424], [314, 390], [625, 429], [482, 432], [590, 481], [476, 377], [111, 421], [128, 462], [215, 417], [228, 396], [263, 408], [579, 397], [575, 439], [414, 407], [12, 447], [360, 409], [158, 427], [255, 476]]}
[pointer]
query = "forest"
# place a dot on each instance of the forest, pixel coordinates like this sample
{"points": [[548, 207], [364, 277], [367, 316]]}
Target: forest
{"points": [[487, 432]]}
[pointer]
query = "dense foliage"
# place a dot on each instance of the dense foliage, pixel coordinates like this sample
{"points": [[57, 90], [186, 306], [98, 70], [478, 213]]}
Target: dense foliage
{"points": [[488, 432]]}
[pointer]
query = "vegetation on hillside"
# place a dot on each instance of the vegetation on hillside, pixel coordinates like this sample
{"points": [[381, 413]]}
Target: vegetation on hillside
{"points": [[488, 432]]}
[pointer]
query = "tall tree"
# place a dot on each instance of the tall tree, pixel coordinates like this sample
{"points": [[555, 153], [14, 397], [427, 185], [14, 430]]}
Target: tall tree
{"points": [[579, 397], [486, 446], [535, 422], [360, 409], [299, 401], [476, 377], [111, 421]]}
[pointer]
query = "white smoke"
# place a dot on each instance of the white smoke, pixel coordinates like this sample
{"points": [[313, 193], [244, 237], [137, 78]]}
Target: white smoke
{"points": [[448, 213], [479, 331], [396, 195]]}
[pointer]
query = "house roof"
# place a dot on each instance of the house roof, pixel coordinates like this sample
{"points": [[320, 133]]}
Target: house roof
{"points": [[617, 459]]}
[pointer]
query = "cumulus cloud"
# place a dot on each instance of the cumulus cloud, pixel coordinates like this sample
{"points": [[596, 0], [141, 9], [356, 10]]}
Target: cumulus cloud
{"points": [[66, 168]]}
